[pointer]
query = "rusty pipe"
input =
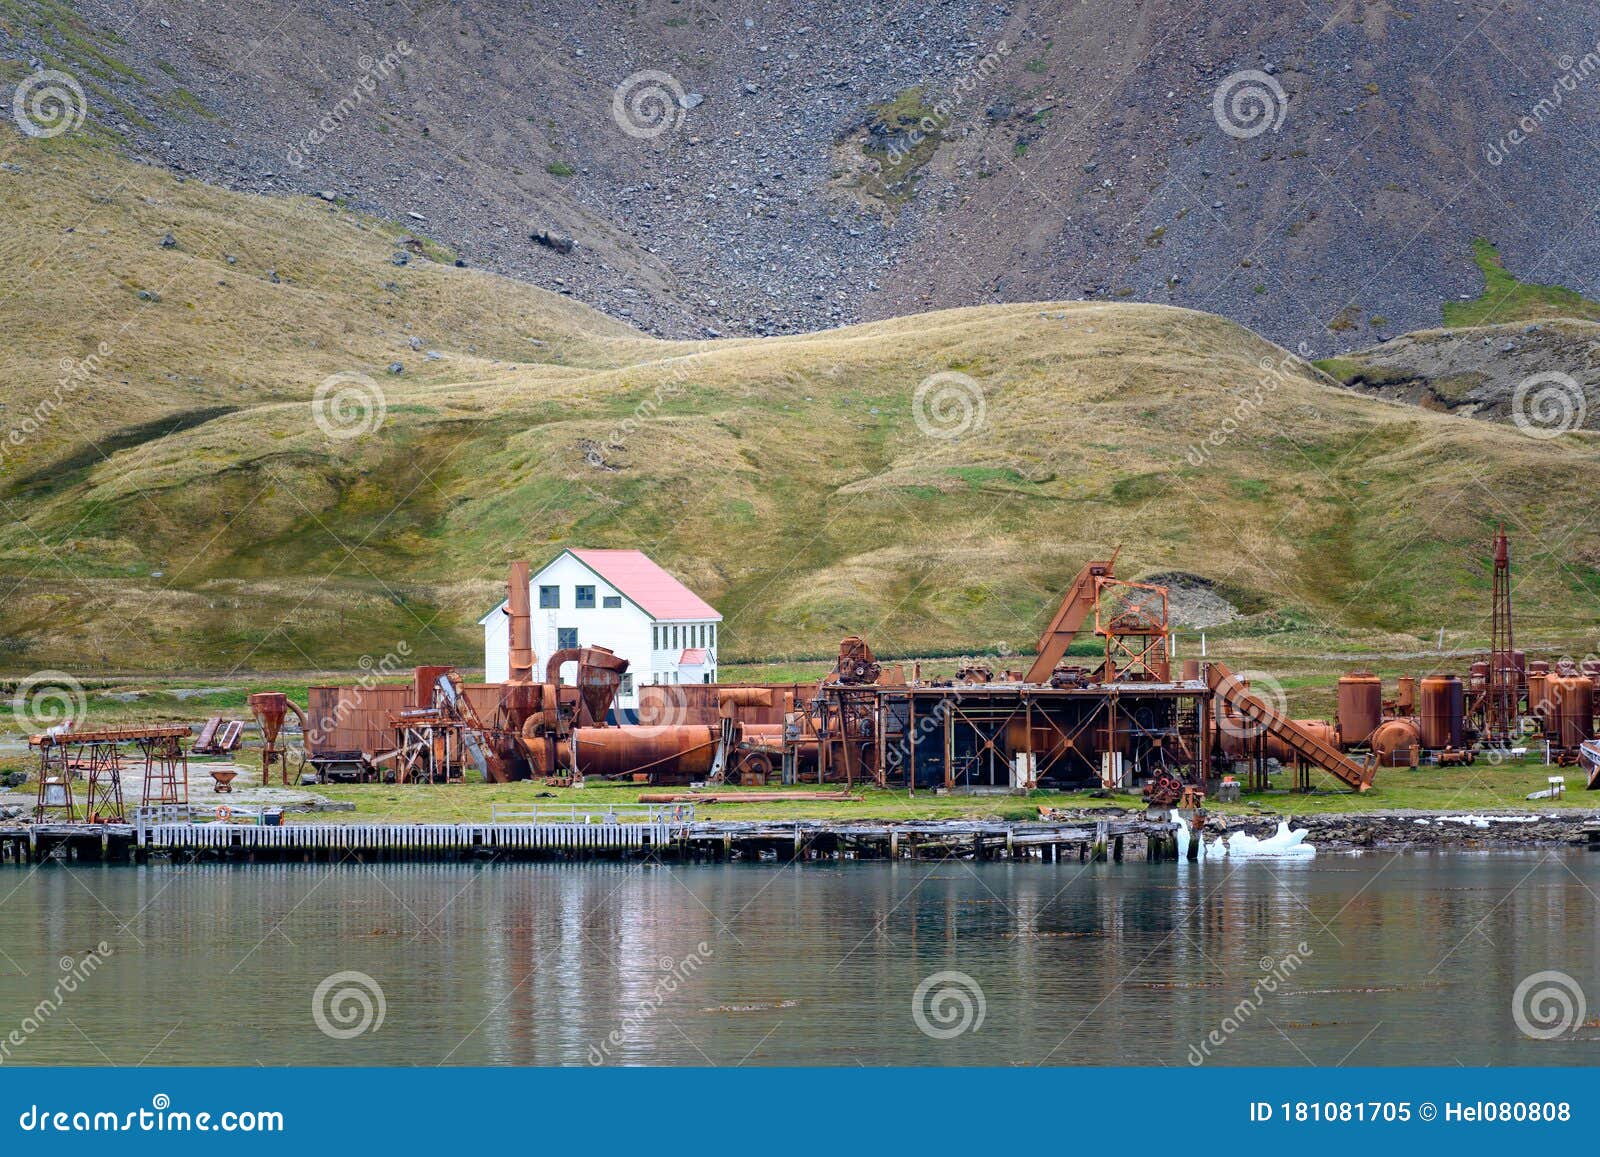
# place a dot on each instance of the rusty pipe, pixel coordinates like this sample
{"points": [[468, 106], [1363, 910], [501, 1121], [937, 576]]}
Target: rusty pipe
{"points": [[520, 612]]}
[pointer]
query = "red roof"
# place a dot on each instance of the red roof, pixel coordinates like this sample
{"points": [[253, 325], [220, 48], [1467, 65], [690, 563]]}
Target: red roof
{"points": [[692, 657], [634, 574]]}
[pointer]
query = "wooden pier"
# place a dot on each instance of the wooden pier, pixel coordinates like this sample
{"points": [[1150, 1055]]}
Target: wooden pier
{"points": [[766, 840]]}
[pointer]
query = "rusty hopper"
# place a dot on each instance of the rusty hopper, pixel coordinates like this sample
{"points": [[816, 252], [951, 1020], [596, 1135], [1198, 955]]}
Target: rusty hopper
{"points": [[270, 709]]}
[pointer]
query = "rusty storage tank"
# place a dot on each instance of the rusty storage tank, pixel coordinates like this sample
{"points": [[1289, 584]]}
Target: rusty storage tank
{"points": [[1572, 697], [1360, 707], [1540, 705], [1442, 712], [1538, 667], [1405, 702], [1478, 676], [671, 754], [1321, 729], [1397, 743], [1590, 668]]}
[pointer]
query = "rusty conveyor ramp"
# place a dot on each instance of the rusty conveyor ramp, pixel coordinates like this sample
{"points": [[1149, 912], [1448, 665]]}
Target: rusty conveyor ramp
{"points": [[1230, 691]]}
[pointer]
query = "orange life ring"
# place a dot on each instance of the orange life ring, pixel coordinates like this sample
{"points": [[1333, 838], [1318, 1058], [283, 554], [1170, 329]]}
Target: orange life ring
{"points": [[224, 813]]}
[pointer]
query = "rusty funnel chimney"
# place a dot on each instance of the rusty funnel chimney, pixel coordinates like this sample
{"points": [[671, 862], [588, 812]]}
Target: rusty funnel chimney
{"points": [[520, 614]]}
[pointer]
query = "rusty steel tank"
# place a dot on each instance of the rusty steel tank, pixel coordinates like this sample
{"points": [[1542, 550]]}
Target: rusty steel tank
{"points": [[1397, 742], [677, 753], [1478, 676], [1191, 670], [1405, 700], [1540, 705], [1360, 707], [1321, 729], [1572, 699], [1442, 712]]}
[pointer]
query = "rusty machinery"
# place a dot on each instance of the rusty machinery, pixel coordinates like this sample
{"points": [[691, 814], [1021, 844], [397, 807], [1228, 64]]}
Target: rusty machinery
{"points": [[271, 708], [1506, 698], [95, 756]]}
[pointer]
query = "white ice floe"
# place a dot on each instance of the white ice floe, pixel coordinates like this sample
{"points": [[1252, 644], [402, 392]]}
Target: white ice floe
{"points": [[1281, 845], [1485, 821]]}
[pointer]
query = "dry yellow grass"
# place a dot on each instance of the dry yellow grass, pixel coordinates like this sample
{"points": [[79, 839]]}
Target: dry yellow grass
{"points": [[788, 479]]}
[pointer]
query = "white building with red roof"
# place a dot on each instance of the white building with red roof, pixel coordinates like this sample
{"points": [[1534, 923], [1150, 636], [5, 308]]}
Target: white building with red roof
{"points": [[621, 599]]}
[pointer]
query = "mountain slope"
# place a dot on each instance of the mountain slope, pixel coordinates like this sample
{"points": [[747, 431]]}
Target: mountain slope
{"points": [[1067, 149], [932, 481]]}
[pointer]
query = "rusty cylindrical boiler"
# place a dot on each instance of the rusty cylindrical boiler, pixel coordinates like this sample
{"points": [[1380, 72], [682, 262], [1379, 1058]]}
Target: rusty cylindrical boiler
{"points": [[682, 751], [1397, 742], [1359, 707], [1442, 712], [1540, 705], [1573, 700], [1277, 749]]}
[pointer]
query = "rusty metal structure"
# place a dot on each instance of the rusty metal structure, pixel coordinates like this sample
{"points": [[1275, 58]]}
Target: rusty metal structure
{"points": [[1116, 719], [1120, 720], [1504, 688], [271, 708], [95, 757]]}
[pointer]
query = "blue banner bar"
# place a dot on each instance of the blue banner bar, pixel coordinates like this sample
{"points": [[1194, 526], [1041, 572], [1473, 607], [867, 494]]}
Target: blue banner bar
{"points": [[800, 1111]]}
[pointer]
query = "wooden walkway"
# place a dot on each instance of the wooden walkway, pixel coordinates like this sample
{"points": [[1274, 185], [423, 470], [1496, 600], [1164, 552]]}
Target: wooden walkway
{"points": [[754, 840]]}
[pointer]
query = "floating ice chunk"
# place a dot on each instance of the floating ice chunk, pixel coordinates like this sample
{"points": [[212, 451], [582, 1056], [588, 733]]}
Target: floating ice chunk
{"points": [[1281, 845]]}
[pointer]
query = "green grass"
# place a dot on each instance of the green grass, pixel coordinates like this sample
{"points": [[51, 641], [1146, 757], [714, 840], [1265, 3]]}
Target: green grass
{"points": [[181, 100], [559, 169], [1506, 299], [901, 143], [1480, 788]]}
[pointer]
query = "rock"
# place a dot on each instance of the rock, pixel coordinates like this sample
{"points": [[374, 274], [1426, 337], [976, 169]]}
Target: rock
{"points": [[400, 258], [149, 295], [168, 241], [396, 368], [328, 195], [415, 343], [560, 242], [433, 355], [691, 100], [416, 216], [230, 259], [272, 276]]}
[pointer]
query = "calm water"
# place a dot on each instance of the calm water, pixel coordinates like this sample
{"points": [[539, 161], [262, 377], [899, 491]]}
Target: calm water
{"points": [[1412, 959]]}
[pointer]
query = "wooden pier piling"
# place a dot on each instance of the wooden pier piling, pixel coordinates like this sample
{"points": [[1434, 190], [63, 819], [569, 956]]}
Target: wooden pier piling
{"points": [[771, 840]]}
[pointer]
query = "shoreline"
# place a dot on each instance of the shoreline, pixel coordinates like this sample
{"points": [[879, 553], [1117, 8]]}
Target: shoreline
{"points": [[1411, 829], [1082, 835]]}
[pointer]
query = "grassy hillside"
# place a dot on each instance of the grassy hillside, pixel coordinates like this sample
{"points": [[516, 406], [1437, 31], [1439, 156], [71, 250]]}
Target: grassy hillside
{"points": [[172, 500], [1506, 298]]}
